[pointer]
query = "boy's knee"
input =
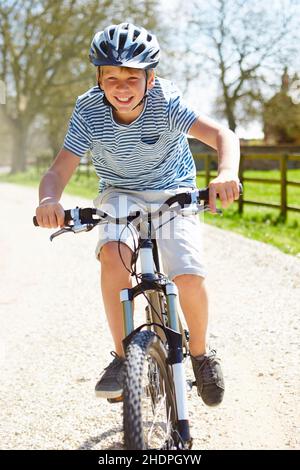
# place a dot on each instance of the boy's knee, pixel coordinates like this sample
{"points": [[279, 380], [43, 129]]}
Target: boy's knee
{"points": [[110, 254], [187, 281]]}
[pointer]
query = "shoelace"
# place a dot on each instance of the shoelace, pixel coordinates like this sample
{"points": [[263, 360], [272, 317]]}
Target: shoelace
{"points": [[110, 369], [206, 367]]}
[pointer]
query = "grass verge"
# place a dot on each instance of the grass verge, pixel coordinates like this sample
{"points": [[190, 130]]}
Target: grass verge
{"points": [[259, 223]]}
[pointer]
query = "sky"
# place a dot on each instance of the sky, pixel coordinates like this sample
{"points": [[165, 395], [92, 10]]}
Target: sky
{"points": [[202, 96]]}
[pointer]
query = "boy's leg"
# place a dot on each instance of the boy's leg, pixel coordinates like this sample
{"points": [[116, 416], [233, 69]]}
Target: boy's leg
{"points": [[114, 278], [194, 303], [182, 255], [206, 366]]}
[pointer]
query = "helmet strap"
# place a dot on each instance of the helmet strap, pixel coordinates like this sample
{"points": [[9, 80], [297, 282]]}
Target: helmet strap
{"points": [[146, 94]]}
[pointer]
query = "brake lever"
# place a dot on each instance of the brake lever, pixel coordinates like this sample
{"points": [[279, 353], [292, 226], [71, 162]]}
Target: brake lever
{"points": [[207, 209], [60, 232], [192, 209], [195, 209], [74, 229]]}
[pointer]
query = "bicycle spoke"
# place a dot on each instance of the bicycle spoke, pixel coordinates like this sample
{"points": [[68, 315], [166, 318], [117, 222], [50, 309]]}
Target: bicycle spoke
{"points": [[157, 417]]}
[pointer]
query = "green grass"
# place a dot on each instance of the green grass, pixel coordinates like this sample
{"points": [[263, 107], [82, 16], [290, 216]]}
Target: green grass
{"points": [[263, 223], [259, 223], [83, 186]]}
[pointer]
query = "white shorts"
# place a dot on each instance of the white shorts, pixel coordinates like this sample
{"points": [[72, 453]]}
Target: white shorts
{"points": [[179, 241]]}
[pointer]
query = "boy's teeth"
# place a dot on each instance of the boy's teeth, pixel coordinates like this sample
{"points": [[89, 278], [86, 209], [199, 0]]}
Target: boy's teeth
{"points": [[124, 99]]}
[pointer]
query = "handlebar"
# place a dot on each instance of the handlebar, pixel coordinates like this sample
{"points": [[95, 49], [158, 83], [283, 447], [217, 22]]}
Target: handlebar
{"points": [[85, 219]]}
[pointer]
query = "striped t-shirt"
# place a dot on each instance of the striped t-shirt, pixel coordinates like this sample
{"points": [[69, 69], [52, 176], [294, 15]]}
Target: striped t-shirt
{"points": [[150, 153]]}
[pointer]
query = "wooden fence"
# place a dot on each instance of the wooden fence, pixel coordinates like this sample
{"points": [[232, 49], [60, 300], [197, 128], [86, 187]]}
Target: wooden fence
{"points": [[210, 165], [284, 182]]}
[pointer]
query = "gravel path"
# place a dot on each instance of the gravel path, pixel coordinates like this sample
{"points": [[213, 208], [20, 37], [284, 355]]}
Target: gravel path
{"points": [[54, 340]]}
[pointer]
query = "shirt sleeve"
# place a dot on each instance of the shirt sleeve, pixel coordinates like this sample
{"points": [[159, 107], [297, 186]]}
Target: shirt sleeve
{"points": [[181, 116], [79, 137]]}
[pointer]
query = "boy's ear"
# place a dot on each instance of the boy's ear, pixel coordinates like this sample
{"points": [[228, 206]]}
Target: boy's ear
{"points": [[151, 80]]}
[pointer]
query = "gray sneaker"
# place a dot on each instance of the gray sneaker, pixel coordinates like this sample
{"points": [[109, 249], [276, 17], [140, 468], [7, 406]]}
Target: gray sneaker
{"points": [[110, 384], [209, 378]]}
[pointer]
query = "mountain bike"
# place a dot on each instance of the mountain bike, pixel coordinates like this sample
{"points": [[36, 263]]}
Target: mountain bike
{"points": [[155, 406]]}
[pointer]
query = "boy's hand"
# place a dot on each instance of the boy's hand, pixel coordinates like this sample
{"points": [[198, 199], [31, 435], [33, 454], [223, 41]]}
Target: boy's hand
{"points": [[226, 185], [50, 214]]}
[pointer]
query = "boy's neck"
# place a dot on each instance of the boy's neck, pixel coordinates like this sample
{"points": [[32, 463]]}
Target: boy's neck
{"points": [[128, 118]]}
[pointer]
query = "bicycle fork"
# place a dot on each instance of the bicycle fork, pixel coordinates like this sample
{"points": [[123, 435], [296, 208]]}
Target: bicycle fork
{"points": [[175, 359]]}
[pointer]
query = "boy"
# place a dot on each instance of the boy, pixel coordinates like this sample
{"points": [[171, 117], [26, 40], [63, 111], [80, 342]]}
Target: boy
{"points": [[135, 126]]}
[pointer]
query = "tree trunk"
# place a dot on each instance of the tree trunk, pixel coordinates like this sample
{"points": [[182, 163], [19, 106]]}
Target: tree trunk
{"points": [[18, 161], [230, 117]]}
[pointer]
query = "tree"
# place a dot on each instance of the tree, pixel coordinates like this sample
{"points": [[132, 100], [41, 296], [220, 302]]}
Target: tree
{"points": [[43, 58], [37, 40], [243, 44]]}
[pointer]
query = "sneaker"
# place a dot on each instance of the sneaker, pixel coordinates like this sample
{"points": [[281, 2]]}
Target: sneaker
{"points": [[209, 378], [110, 384]]}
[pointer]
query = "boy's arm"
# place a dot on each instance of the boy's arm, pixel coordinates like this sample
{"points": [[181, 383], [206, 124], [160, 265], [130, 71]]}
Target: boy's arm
{"points": [[226, 142], [50, 213]]}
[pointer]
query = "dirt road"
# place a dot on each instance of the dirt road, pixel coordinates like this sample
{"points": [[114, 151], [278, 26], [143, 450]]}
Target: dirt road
{"points": [[54, 340]]}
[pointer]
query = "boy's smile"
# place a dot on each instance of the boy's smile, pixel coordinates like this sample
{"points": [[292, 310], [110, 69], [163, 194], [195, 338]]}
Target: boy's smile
{"points": [[124, 88], [124, 100]]}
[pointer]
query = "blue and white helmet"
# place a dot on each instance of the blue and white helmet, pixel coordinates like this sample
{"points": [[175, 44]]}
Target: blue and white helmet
{"points": [[125, 45]]}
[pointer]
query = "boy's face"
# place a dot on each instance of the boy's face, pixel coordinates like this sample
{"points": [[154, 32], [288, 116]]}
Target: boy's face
{"points": [[124, 88]]}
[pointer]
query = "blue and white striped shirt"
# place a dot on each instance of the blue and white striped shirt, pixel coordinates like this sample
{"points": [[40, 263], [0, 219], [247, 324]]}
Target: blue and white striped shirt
{"points": [[150, 153]]}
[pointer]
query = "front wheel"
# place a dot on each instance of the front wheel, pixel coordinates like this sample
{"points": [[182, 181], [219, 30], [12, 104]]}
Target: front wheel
{"points": [[149, 414]]}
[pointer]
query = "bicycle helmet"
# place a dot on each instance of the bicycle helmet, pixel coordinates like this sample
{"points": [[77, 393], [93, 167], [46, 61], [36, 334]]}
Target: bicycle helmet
{"points": [[125, 45]]}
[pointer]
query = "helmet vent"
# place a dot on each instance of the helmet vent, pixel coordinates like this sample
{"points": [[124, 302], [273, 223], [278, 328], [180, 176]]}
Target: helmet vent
{"points": [[136, 34], [149, 37], [103, 47], [122, 40], [139, 50], [154, 55], [111, 33]]}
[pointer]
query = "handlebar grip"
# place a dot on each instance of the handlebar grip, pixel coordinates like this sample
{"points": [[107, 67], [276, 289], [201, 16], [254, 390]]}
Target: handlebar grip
{"points": [[68, 217], [204, 193]]}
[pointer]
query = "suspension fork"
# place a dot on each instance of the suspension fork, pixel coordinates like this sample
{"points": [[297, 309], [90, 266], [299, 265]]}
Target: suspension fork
{"points": [[175, 358], [149, 261], [127, 306]]}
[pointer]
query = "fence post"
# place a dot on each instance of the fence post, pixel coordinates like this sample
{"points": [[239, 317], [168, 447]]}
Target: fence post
{"points": [[283, 178], [207, 169], [241, 177]]}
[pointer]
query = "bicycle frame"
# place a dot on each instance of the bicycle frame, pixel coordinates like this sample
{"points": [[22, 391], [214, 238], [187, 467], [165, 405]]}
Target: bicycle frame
{"points": [[169, 331]]}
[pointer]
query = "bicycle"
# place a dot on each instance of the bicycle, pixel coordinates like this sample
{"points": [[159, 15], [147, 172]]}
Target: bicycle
{"points": [[154, 379]]}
